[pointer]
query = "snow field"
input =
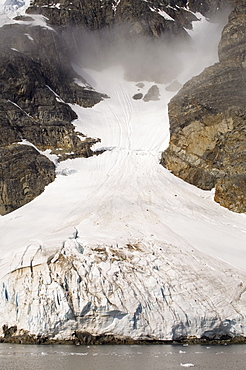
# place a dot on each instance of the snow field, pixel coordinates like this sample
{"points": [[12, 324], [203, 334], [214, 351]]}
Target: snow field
{"points": [[125, 195]]}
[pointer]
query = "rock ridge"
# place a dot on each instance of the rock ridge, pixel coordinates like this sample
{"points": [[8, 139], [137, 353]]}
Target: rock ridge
{"points": [[207, 122], [37, 83]]}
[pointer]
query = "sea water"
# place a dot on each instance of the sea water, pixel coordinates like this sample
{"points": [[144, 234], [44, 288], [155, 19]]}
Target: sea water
{"points": [[122, 357]]}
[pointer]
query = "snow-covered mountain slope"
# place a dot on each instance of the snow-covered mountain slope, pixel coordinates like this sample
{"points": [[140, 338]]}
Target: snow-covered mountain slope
{"points": [[12, 8], [117, 245]]}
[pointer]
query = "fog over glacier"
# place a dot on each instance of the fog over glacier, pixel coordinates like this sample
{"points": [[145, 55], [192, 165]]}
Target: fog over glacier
{"points": [[142, 57]]}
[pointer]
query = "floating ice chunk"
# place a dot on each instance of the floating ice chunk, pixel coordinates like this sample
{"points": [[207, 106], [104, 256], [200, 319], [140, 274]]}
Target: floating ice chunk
{"points": [[187, 365]]}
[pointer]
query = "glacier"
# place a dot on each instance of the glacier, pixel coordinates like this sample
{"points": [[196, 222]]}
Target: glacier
{"points": [[117, 246]]}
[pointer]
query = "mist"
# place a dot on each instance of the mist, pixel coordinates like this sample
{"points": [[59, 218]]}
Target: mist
{"points": [[145, 58], [142, 57]]}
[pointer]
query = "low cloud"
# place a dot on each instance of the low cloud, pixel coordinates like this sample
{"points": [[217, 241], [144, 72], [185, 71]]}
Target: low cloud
{"points": [[145, 58]]}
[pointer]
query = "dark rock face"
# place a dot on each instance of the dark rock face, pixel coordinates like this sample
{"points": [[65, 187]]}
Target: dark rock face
{"points": [[8, 332], [93, 14], [12, 335], [140, 14], [152, 94], [144, 18], [24, 175], [138, 96], [207, 122], [232, 44], [209, 7], [141, 17], [36, 83]]}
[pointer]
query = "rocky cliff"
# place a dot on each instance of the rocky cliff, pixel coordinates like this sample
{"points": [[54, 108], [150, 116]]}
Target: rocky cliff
{"points": [[37, 83], [210, 7], [207, 122], [24, 174], [140, 17]]}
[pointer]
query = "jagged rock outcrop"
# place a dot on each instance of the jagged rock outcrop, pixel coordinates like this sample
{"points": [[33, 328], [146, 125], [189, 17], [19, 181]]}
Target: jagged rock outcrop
{"points": [[152, 94], [207, 122], [146, 17], [24, 175], [36, 83], [92, 14], [210, 7], [141, 17], [232, 44]]}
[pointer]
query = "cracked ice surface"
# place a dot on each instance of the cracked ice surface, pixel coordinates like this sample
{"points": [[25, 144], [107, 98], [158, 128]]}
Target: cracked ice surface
{"points": [[159, 291]]}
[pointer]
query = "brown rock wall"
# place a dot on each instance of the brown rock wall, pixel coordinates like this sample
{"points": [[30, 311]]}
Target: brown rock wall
{"points": [[208, 123], [24, 175]]}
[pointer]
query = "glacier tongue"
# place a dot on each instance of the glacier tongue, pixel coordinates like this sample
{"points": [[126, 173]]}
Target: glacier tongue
{"points": [[118, 246]]}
